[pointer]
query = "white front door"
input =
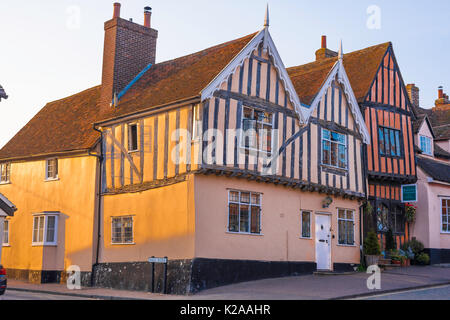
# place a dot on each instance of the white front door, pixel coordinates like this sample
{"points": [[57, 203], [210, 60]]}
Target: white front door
{"points": [[323, 242]]}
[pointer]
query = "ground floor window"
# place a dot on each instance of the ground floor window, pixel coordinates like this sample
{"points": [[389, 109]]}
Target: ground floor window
{"points": [[122, 230], [306, 224], [346, 227], [6, 232], [390, 218], [446, 215], [244, 212], [45, 228]]}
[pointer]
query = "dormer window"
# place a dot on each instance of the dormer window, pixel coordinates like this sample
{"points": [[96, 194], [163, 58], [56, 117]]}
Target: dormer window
{"points": [[425, 145]]}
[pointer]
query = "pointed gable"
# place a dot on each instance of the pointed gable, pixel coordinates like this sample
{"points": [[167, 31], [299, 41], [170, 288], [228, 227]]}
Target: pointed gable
{"points": [[388, 87], [258, 52], [332, 86]]}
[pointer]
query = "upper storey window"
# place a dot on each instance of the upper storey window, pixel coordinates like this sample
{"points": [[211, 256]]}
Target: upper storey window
{"points": [[51, 169], [132, 137], [389, 140], [425, 145], [257, 130], [334, 149], [5, 172]]}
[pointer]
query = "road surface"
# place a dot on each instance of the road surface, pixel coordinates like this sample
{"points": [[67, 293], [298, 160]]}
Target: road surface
{"points": [[19, 295]]}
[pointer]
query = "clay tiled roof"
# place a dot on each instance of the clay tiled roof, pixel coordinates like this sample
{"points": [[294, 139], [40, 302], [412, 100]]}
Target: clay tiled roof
{"points": [[437, 170], [63, 125], [361, 67], [67, 125], [178, 79], [440, 153]]}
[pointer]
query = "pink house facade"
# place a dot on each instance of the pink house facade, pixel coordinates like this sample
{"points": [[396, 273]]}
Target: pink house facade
{"points": [[432, 225]]}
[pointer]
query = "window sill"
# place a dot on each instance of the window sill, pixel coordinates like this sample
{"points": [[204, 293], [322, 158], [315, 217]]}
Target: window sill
{"points": [[51, 180], [347, 245], [5, 183], [445, 233], [303, 238], [6, 245], [334, 170], [44, 245], [123, 244], [246, 234], [133, 151]]}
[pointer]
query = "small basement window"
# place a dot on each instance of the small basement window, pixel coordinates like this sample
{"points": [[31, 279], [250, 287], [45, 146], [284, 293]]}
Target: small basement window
{"points": [[132, 138]]}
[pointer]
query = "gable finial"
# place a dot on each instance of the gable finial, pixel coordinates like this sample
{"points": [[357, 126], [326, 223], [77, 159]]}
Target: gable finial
{"points": [[266, 19], [341, 52]]}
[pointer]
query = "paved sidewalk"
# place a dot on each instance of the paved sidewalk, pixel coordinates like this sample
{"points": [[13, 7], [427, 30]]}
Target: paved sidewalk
{"points": [[294, 288]]}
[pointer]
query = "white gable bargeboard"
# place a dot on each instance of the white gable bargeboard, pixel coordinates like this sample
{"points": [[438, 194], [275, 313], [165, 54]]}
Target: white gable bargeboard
{"points": [[338, 71], [262, 37]]}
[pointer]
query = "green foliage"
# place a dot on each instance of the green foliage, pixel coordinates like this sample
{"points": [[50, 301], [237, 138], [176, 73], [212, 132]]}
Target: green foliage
{"points": [[416, 246], [361, 268], [390, 242], [371, 245], [423, 259]]}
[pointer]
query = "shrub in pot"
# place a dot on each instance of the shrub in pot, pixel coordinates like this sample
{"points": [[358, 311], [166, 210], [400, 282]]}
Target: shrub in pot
{"points": [[372, 249], [423, 259]]}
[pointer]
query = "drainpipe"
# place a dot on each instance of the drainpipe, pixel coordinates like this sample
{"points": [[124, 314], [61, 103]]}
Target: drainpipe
{"points": [[99, 192]]}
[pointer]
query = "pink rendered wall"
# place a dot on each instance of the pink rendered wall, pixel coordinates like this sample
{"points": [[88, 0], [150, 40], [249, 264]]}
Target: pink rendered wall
{"points": [[427, 227], [280, 221]]}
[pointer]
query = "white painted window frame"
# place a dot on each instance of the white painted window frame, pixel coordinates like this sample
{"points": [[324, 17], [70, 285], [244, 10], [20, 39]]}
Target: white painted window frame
{"points": [[346, 220], [5, 166], [339, 143], [6, 232], [428, 143], [129, 137], [44, 241], [242, 144], [442, 215], [196, 122], [122, 230], [47, 177], [250, 212], [310, 212]]}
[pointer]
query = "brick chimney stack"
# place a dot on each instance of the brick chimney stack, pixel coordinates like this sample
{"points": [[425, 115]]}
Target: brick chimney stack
{"points": [[324, 52], [128, 48], [414, 94], [443, 102]]}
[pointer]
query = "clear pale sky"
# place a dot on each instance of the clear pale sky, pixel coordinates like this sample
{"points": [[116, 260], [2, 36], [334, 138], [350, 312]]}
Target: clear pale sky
{"points": [[45, 54]]}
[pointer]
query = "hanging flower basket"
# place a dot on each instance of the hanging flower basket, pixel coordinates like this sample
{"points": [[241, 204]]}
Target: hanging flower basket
{"points": [[411, 213]]}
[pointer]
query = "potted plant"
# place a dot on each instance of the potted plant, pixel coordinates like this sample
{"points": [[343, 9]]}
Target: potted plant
{"points": [[414, 248], [372, 249], [396, 258], [423, 259], [410, 213]]}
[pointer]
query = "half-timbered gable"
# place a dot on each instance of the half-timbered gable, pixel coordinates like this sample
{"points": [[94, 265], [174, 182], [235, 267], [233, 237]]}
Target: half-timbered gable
{"points": [[336, 132], [389, 115]]}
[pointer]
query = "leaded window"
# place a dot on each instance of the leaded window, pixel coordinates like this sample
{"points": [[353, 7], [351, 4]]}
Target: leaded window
{"points": [[122, 230], [244, 212], [389, 142], [5, 172], [257, 128], [346, 227], [306, 224], [334, 149]]}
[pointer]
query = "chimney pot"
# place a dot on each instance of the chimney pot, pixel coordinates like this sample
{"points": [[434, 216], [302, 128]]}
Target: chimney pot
{"points": [[116, 14], [147, 17], [441, 92], [324, 42]]}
